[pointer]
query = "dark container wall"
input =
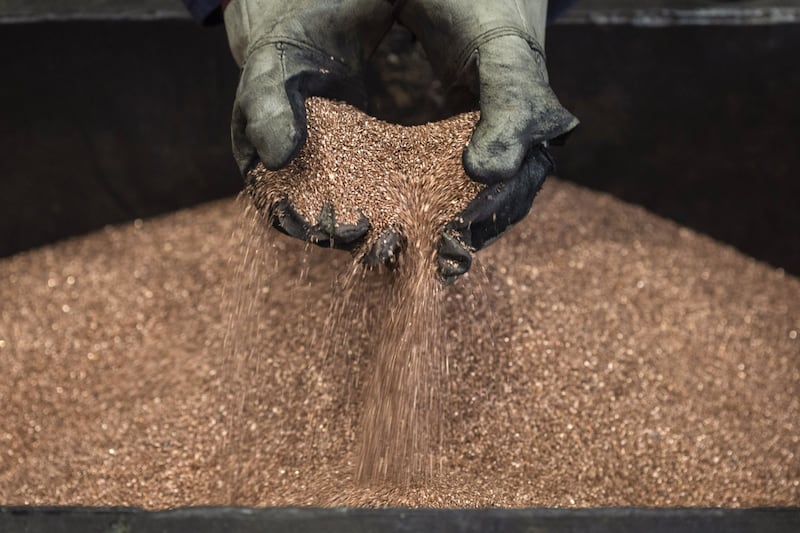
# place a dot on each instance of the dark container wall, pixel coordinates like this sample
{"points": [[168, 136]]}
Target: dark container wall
{"points": [[699, 124], [107, 121]]}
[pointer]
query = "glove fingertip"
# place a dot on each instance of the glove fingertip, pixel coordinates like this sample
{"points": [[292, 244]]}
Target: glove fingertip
{"points": [[386, 250], [286, 219], [453, 258], [348, 234]]}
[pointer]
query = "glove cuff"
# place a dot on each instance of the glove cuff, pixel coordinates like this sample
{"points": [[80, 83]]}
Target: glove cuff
{"points": [[349, 31], [452, 32]]}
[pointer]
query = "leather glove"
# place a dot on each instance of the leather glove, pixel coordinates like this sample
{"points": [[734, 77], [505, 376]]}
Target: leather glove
{"points": [[288, 51], [495, 209], [494, 50]]}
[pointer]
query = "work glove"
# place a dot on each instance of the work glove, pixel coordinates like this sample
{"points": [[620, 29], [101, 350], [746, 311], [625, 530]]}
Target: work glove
{"points": [[288, 51], [495, 51]]}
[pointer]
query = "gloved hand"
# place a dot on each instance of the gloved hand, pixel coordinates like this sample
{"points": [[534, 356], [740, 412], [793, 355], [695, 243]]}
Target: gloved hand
{"points": [[288, 51], [495, 209], [495, 50]]}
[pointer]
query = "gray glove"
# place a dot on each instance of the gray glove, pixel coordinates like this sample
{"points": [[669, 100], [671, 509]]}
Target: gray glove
{"points": [[495, 50], [288, 51]]}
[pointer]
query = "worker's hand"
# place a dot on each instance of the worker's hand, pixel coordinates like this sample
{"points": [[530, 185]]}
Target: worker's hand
{"points": [[288, 51], [493, 211], [494, 49]]}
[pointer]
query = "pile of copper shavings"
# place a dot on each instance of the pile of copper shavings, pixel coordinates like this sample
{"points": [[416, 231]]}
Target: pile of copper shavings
{"points": [[601, 356], [361, 165]]}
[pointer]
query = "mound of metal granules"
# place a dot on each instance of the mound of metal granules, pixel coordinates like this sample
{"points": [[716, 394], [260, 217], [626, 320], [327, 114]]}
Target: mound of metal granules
{"points": [[596, 355]]}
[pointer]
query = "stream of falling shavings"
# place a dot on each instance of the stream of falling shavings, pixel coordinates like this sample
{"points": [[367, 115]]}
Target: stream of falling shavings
{"points": [[383, 327], [248, 310], [399, 399], [401, 424], [409, 179]]}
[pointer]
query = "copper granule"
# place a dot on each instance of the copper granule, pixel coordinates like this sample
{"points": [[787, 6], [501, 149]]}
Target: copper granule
{"points": [[600, 356]]}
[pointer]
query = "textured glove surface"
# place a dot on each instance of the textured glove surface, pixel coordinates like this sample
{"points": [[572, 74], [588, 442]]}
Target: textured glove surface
{"points": [[495, 49], [288, 51]]}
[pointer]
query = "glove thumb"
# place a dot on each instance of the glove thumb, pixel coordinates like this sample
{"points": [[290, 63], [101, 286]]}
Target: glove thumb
{"points": [[518, 110], [266, 125], [269, 117]]}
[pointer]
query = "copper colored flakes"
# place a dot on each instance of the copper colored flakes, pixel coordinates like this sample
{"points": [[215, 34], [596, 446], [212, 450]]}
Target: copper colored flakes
{"points": [[597, 356], [359, 164]]}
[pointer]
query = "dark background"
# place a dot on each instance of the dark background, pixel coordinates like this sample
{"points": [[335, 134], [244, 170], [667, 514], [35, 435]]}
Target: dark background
{"points": [[103, 121]]}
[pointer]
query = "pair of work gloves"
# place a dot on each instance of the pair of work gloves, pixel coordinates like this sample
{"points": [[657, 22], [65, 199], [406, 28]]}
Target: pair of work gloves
{"points": [[290, 50]]}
